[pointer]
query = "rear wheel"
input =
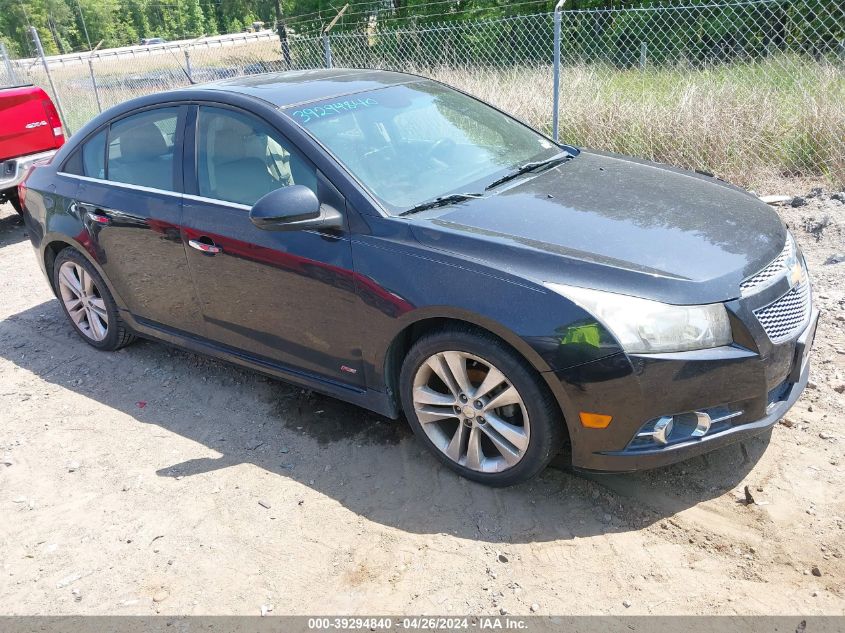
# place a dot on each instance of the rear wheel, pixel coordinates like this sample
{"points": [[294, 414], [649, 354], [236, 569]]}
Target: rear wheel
{"points": [[479, 407], [87, 303]]}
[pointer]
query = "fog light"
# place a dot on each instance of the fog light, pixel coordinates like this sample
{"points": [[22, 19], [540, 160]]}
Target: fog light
{"points": [[702, 424], [674, 429], [663, 429]]}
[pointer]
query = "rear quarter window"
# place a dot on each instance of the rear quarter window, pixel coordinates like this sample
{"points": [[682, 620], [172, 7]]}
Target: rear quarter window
{"points": [[94, 156], [90, 158]]}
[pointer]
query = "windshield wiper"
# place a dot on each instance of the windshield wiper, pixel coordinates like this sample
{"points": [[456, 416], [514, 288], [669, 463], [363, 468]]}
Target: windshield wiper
{"points": [[442, 201], [529, 167]]}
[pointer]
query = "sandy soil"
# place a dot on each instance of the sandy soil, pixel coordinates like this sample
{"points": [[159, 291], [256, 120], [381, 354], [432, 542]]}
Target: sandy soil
{"points": [[154, 480]]}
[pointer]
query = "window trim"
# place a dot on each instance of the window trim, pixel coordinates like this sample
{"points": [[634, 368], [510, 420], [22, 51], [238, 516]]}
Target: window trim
{"points": [[216, 201], [175, 194], [123, 185]]}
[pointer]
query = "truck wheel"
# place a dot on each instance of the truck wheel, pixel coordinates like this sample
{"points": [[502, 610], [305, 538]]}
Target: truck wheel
{"points": [[13, 199]]}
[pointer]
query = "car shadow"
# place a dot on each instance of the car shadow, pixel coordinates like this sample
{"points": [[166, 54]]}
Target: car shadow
{"points": [[12, 229], [371, 465]]}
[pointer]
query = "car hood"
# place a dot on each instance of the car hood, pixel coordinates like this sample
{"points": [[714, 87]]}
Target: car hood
{"points": [[618, 224]]}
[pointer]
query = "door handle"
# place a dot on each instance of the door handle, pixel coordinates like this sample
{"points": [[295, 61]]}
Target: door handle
{"points": [[98, 216], [91, 212], [205, 247]]}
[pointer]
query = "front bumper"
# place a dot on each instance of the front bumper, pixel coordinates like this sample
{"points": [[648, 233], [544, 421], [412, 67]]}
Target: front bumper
{"points": [[635, 389], [14, 170]]}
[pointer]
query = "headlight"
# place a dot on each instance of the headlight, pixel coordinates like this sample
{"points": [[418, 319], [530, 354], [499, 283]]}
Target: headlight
{"points": [[643, 326]]}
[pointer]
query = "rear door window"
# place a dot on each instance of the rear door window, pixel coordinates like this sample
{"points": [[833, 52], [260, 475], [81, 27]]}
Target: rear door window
{"points": [[142, 149]]}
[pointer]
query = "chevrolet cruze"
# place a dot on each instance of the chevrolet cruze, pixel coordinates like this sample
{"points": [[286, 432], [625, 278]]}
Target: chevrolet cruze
{"points": [[390, 241]]}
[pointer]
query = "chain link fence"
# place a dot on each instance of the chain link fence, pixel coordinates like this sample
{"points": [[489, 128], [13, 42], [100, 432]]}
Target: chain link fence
{"points": [[752, 91]]}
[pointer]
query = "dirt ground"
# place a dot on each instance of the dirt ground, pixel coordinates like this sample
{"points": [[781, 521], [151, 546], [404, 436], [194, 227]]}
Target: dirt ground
{"points": [[156, 481]]}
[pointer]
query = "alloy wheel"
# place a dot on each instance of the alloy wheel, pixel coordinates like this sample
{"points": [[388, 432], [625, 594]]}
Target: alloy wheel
{"points": [[83, 301], [471, 411]]}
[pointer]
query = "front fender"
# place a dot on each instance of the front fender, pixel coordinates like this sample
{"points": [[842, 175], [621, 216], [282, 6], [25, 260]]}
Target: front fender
{"points": [[550, 331]]}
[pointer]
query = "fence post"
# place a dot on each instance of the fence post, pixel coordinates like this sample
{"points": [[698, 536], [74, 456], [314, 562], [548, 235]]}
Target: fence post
{"points": [[10, 70], [283, 34], [643, 55], [58, 99], [327, 45], [556, 85], [94, 83], [188, 66], [327, 51]]}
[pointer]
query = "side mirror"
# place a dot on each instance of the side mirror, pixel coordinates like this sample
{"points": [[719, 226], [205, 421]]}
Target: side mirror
{"points": [[293, 208]]}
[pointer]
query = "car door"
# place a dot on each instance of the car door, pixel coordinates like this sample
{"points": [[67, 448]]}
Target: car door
{"points": [[131, 188], [284, 296]]}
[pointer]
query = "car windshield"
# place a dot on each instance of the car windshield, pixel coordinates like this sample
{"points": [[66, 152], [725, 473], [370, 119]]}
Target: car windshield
{"points": [[412, 143]]}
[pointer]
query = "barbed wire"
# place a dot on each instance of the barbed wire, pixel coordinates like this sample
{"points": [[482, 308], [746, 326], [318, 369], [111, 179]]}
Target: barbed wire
{"points": [[418, 14]]}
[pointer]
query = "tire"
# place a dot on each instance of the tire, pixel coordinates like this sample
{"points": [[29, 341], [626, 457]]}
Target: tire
{"points": [[97, 320], [12, 198], [534, 421]]}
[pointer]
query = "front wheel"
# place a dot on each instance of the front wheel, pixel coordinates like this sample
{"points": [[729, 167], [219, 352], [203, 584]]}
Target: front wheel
{"points": [[480, 408]]}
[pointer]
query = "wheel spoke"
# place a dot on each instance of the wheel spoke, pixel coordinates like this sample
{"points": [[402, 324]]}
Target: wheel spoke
{"points": [[85, 281], [69, 281], [98, 306], [493, 379], [429, 413], [515, 435], [508, 396], [98, 328], [438, 365], [77, 314], [474, 454], [507, 451], [458, 367], [456, 447], [426, 395], [74, 303]]}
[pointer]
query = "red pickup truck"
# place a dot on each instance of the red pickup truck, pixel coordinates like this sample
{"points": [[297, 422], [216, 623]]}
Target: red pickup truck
{"points": [[30, 133]]}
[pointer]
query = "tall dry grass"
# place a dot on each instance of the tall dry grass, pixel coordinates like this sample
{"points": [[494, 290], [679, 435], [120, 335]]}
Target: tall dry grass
{"points": [[749, 123]]}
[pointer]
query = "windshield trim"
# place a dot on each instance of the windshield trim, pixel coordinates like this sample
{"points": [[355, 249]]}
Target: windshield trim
{"points": [[382, 208]]}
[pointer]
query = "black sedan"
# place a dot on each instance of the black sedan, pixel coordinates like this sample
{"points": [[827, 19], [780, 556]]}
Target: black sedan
{"points": [[395, 243]]}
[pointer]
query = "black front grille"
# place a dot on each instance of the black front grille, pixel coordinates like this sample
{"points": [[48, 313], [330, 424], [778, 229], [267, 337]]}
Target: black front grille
{"points": [[776, 268], [786, 316]]}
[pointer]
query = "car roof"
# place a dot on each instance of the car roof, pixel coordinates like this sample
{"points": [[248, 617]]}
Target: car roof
{"points": [[301, 86]]}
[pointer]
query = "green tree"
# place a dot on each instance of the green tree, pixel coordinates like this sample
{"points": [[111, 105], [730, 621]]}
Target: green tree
{"points": [[194, 20]]}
